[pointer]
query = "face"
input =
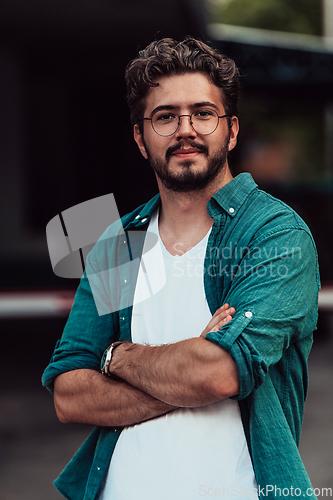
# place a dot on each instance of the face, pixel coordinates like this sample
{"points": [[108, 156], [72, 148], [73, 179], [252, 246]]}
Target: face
{"points": [[186, 161]]}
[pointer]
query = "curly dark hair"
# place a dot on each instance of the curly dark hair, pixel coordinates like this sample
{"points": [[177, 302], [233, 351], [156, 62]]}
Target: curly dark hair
{"points": [[168, 57]]}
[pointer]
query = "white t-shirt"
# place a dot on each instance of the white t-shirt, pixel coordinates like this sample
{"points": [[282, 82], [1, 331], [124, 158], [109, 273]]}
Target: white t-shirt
{"points": [[190, 452]]}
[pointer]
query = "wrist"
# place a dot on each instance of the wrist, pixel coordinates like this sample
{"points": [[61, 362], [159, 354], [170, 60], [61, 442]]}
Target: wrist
{"points": [[106, 370], [125, 360]]}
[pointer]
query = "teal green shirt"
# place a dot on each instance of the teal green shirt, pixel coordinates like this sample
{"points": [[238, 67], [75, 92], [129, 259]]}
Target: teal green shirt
{"points": [[262, 260]]}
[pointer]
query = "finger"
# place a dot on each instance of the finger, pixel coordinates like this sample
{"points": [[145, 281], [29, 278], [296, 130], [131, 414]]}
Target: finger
{"points": [[221, 309], [220, 317], [221, 323], [223, 314]]}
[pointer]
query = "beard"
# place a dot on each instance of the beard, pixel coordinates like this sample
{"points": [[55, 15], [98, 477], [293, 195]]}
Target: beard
{"points": [[188, 180]]}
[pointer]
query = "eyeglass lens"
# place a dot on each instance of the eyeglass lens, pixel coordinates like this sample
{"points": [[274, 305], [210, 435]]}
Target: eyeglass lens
{"points": [[204, 122]]}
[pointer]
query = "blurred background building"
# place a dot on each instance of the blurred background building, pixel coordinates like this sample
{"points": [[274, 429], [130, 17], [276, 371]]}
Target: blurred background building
{"points": [[65, 138]]}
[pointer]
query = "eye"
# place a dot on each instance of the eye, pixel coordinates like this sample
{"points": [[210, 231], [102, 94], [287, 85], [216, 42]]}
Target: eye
{"points": [[204, 114], [165, 117]]}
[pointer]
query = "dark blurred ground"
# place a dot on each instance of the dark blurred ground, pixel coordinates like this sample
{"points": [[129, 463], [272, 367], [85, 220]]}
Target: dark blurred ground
{"points": [[35, 446], [316, 446]]}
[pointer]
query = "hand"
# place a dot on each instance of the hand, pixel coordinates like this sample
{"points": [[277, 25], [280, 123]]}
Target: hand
{"points": [[222, 316]]}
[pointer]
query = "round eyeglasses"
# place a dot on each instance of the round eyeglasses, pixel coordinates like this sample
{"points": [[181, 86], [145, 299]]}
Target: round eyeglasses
{"points": [[204, 122]]}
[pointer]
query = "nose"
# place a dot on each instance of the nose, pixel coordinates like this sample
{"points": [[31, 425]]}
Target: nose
{"points": [[185, 128]]}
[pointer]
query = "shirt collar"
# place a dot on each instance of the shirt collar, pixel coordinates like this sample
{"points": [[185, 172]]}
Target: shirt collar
{"points": [[232, 196], [141, 216]]}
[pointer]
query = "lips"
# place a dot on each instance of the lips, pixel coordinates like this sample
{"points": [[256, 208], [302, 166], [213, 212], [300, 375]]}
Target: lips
{"points": [[186, 151], [187, 155], [181, 149]]}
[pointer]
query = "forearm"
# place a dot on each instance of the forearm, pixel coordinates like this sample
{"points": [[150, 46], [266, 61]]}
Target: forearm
{"points": [[190, 373], [87, 396]]}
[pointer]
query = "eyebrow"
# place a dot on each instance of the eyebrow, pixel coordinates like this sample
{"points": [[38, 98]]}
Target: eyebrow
{"points": [[173, 107]]}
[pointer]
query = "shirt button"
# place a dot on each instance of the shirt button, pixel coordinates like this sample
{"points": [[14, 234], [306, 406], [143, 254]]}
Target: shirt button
{"points": [[248, 314], [98, 468], [231, 210], [122, 318], [144, 220], [125, 280]]}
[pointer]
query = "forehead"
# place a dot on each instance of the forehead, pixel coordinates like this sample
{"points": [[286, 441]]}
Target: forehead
{"points": [[183, 91]]}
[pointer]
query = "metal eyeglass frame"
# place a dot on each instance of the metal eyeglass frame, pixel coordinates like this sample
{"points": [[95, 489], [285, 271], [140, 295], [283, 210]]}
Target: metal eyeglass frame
{"points": [[179, 117]]}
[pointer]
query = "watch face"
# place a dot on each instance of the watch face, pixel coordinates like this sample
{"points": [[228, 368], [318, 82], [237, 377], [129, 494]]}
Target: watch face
{"points": [[107, 359], [105, 362]]}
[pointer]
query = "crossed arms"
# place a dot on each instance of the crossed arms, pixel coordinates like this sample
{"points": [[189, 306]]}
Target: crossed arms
{"points": [[149, 381], [153, 381]]}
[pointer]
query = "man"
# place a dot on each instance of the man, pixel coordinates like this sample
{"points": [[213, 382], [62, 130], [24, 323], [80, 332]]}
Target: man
{"points": [[196, 398]]}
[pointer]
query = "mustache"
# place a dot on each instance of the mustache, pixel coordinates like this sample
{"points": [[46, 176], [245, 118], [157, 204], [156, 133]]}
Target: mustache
{"points": [[182, 144]]}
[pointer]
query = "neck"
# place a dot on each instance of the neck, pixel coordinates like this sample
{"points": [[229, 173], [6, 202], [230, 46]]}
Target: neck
{"points": [[184, 219]]}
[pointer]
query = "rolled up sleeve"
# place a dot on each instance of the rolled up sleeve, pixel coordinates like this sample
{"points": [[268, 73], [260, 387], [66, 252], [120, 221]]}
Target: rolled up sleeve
{"points": [[84, 339], [274, 290]]}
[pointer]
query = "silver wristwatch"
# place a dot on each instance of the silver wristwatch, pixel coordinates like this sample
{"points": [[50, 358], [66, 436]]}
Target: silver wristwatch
{"points": [[108, 357]]}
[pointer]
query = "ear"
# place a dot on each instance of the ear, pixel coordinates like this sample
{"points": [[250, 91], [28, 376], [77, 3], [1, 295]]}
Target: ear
{"points": [[233, 132], [138, 139]]}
